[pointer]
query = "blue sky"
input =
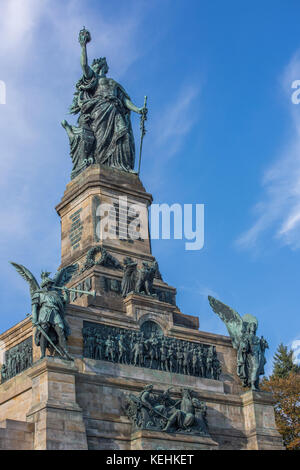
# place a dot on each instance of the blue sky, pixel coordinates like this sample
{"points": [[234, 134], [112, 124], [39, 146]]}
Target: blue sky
{"points": [[222, 131]]}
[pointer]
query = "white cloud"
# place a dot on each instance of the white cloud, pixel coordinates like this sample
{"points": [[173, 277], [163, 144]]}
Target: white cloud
{"points": [[170, 127], [40, 64], [17, 24], [39, 38], [208, 320], [199, 289], [206, 291], [295, 346], [279, 207], [117, 39], [176, 120]]}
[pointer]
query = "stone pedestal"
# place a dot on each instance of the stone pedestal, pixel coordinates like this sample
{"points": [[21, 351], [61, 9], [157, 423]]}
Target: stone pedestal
{"points": [[80, 216], [57, 417], [260, 426], [104, 208], [56, 404], [155, 440]]}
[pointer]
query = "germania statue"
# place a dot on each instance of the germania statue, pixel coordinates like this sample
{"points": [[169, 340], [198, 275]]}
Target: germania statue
{"points": [[104, 107], [250, 348]]}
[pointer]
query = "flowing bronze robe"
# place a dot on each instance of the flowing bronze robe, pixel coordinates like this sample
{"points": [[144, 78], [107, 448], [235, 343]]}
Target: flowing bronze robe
{"points": [[104, 99]]}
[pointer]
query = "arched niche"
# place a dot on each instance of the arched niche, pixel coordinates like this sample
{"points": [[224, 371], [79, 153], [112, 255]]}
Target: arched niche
{"points": [[149, 327]]}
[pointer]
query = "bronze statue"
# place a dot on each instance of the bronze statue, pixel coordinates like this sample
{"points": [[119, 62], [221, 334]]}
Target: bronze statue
{"points": [[184, 416], [108, 260], [17, 359], [145, 277], [48, 308], [158, 411], [151, 349], [108, 108], [250, 348], [128, 280], [122, 349], [82, 143]]}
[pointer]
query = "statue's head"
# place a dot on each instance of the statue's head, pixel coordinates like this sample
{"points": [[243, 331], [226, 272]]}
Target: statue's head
{"points": [[46, 282], [127, 260], [100, 65], [186, 393], [250, 323], [252, 328]]}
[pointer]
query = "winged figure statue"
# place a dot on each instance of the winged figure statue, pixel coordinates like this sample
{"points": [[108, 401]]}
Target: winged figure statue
{"points": [[139, 280], [48, 301], [250, 348]]}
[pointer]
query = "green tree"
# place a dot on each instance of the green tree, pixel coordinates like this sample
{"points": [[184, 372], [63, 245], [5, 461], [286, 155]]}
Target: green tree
{"points": [[284, 384], [283, 362]]}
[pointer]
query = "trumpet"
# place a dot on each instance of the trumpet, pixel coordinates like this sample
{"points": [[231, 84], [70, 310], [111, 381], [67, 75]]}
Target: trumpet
{"points": [[78, 291]]}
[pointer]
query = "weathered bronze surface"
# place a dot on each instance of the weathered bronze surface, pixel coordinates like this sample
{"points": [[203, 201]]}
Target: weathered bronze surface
{"points": [[82, 144], [48, 308], [250, 348], [139, 280], [150, 348], [17, 359], [104, 133], [106, 259], [160, 412]]}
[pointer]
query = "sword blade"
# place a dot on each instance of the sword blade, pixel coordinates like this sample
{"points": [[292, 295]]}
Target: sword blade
{"points": [[52, 344], [47, 338]]}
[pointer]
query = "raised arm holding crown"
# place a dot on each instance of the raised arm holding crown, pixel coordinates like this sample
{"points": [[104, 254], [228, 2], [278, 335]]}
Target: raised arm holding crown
{"points": [[107, 107], [84, 38]]}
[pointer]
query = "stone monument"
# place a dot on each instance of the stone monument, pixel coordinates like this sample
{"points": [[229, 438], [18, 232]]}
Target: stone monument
{"points": [[107, 360]]}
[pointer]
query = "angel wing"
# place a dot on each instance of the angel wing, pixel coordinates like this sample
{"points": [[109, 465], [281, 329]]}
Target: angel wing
{"points": [[230, 317], [28, 276], [64, 275]]}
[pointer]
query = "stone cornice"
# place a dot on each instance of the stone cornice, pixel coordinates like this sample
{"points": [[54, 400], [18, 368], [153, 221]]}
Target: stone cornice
{"points": [[54, 404], [137, 385], [51, 364], [180, 332], [260, 398], [26, 323], [146, 301], [99, 177]]}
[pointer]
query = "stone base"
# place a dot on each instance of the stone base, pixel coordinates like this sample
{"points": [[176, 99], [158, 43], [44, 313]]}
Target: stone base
{"points": [[155, 440], [55, 413], [260, 424], [59, 404]]}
